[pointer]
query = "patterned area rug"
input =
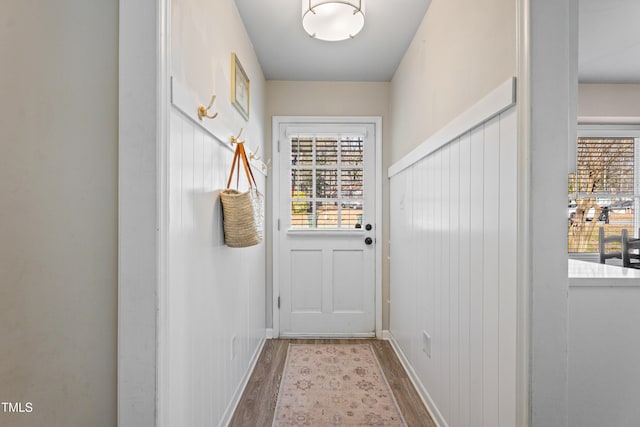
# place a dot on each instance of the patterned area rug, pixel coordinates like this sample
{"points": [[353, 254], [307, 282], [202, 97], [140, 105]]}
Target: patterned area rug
{"points": [[334, 385]]}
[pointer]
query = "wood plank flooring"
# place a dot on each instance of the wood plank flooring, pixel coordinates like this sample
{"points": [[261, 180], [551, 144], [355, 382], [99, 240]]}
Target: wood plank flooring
{"points": [[258, 402]]}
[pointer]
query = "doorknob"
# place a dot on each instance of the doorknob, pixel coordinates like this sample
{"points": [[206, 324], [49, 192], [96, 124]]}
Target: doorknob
{"points": [[368, 240]]}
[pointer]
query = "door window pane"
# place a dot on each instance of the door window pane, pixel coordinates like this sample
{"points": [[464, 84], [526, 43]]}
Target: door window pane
{"points": [[301, 183], [326, 151], [352, 151], [352, 213], [351, 184], [327, 183], [327, 177], [302, 151], [302, 214], [327, 215]]}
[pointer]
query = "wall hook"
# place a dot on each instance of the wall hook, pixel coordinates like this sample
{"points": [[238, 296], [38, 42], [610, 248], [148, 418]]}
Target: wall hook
{"points": [[254, 156], [265, 166], [234, 139], [204, 111]]}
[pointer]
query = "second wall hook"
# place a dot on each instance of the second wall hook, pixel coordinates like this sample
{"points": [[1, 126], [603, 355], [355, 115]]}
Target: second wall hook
{"points": [[235, 139], [254, 155]]}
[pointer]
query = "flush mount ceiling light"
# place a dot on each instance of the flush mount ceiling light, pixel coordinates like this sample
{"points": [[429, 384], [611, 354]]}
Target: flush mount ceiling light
{"points": [[332, 20]]}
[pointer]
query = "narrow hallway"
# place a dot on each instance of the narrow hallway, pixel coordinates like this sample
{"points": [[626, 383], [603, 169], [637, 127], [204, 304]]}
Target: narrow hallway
{"points": [[258, 403]]}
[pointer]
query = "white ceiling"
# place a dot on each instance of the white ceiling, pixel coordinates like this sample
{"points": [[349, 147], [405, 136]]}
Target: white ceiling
{"points": [[286, 52], [609, 41]]}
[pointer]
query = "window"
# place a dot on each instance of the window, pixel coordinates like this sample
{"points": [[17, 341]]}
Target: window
{"points": [[327, 182], [603, 190]]}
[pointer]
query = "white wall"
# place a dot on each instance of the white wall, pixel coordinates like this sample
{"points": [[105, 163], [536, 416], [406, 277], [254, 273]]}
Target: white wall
{"points": [[604, 348], [461, 51], [216, 295], [292, 98], [453, 273], [203, 35], [58, 211], [609, 103]]}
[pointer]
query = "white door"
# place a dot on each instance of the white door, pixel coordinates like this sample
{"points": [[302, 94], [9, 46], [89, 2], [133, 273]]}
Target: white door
{"points": [[326, 234]]}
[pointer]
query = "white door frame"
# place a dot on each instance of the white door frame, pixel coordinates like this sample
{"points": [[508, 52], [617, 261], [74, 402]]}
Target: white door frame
{"points": [[275, 130]]}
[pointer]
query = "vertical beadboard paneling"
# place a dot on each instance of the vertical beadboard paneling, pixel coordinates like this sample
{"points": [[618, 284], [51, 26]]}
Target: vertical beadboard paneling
{"points": [[445, 288], [491, 251], [454, 280], [436, 348], [453, 216], [419, 227], [402, 261], [216, 312], [423, 183], [508, 261], [476, 269], [465, 280], [429, 314]]}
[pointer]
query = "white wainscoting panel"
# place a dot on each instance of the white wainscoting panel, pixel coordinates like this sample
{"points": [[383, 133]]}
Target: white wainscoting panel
{"points": [[216, 294], [453, 273]]}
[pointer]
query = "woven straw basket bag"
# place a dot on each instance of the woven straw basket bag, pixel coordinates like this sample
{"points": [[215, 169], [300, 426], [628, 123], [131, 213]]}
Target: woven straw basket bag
{"points": [[243, 212]]}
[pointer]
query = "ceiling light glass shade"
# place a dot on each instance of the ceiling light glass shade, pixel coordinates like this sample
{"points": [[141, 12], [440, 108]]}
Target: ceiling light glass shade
{"points": [[332, 20]]}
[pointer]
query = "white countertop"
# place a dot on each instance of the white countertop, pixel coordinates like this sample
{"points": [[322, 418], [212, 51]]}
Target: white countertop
{"points": [[581, 272]]}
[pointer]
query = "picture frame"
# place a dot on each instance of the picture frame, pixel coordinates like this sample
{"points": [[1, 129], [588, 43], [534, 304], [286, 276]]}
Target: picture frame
{"points": [[240, 87]]}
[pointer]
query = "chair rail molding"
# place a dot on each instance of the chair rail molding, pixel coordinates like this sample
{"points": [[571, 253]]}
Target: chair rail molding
{"points": [[498, 100]]}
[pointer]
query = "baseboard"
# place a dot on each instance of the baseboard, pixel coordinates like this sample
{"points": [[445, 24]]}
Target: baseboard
{"points": [[269, 333], [231, 408], [415, 380], [321, 335]]}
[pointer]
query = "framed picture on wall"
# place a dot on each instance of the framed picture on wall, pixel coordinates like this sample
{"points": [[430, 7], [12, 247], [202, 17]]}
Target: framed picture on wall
{"points": [[240, 89]]}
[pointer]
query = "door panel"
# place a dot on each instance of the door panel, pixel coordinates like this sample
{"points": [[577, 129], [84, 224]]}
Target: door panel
{"points": [[348, 283], [327, 198], [306, 272]]}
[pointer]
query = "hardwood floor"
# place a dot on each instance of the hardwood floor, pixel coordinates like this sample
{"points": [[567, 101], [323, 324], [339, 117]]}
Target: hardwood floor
{"points": [[258, 402]]}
